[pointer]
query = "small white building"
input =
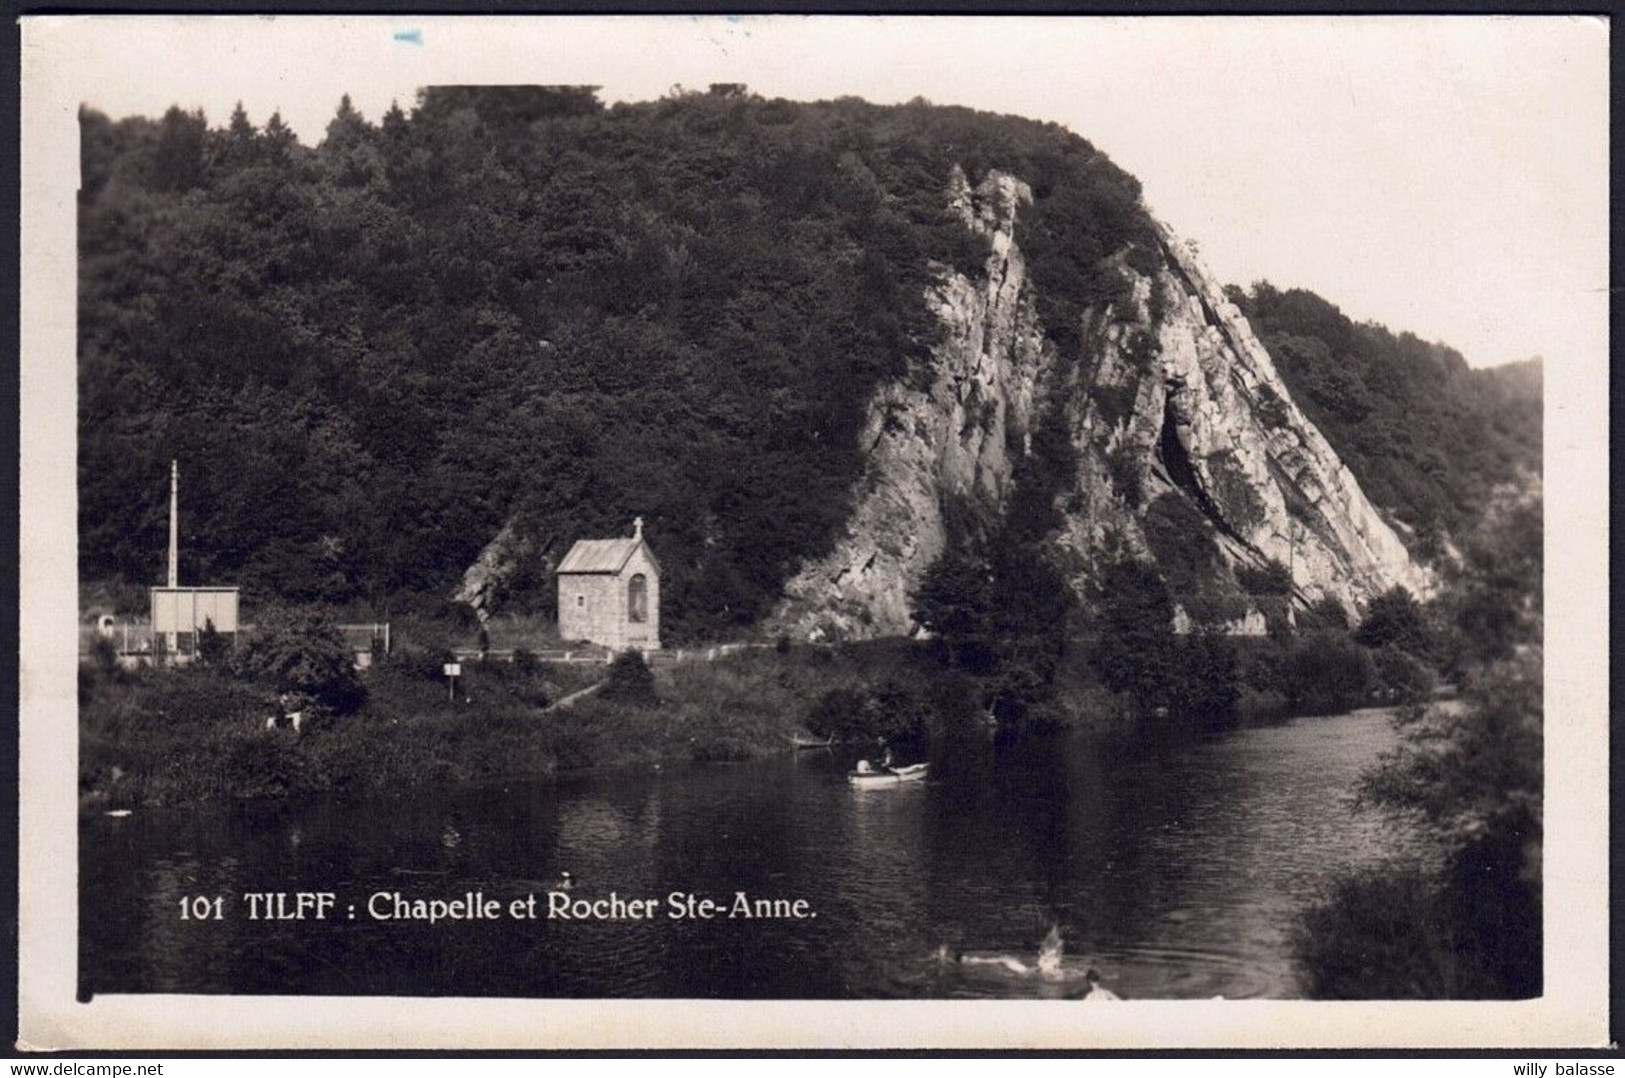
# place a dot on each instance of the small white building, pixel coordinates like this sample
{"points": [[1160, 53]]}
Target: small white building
{"points": [[609, 593]]}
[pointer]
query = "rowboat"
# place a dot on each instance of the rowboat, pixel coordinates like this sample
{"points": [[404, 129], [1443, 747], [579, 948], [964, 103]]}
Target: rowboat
{"points": [[888, 777]]}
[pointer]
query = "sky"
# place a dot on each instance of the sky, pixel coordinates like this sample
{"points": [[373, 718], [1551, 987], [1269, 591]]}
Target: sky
{"points": [[1442, 175]]}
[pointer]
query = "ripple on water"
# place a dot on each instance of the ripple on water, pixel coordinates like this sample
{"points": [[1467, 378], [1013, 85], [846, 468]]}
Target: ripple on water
{"points": [[1138, 973]]}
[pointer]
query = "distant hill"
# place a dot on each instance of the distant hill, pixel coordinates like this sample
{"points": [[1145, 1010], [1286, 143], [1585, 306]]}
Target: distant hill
{"points": [[517, 312]]}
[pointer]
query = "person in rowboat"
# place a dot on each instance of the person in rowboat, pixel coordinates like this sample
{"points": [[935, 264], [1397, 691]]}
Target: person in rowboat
{"points": [[884, 758]]}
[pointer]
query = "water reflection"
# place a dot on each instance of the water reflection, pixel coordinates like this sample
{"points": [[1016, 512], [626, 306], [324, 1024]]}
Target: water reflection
{"points": [[1176, 875]]}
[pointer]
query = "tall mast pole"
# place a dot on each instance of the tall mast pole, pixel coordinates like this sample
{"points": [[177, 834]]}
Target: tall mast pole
{"points": [[171, 640], [174, 525]]}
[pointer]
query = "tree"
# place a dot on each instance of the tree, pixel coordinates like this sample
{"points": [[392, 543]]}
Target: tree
{"points": [[1472, 776], [300, 651], [1273, 579], [278, 138], [1134, 648], [1207, 681], [1495, 605], [240, 145], [177, 164], [1325, 614], [212, 646], [630, 681], [1325, 673], [1395, 619], [953, 603]]}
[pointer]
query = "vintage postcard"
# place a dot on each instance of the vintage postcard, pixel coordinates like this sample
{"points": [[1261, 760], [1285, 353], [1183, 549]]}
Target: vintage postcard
{"points": [[813, 532]]}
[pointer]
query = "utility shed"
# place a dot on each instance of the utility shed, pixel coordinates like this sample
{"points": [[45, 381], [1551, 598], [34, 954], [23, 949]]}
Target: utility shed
{"points": [[609, 593]]}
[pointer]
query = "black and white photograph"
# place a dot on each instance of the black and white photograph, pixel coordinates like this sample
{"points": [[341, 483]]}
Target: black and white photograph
{"points": [[636, 520]]}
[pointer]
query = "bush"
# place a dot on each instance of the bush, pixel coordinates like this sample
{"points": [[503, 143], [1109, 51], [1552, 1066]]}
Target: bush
{"points": [[301, 651], [104, 656], [1134, 646], [1255, 706], [1395, 619], [891, 712], [1324, 615], [1205, 684], [953, 700], [1326, 673], [1472, 777], [213, 647], [630, 681], [1402, 679], [1272, 579], [1378, 937]]}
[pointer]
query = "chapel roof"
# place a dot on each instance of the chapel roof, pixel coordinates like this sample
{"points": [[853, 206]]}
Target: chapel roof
{"points": [[607, 555]]}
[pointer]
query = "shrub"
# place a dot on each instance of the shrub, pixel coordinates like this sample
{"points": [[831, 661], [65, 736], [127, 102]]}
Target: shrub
{"points": [[630, 681], [953, 700], [212, 646], [1395, 619], [301, 651], [1272, 579], [1472, 777], [419, 663], [1205, 685], [891, 712], [1134, 650], [264, 763], [1378, 937], [104, 656], [838, 713], [1326, 615], [1255, 706], [1403, 679], [1326, 673]]}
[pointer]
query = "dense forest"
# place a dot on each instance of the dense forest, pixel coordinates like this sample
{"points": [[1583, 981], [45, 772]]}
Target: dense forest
{"points": [[519, 304], [370, 355], [1428, 437]]}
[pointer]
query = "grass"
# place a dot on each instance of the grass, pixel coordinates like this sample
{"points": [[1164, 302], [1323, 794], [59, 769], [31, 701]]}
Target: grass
{"points": [[196, 736]]}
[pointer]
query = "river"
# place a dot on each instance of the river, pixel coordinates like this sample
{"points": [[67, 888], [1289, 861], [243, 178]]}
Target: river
{"points": [[1177, 874]]}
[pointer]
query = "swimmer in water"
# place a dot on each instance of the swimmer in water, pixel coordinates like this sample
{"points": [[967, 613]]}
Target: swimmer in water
{"points": [[1049, 954], [565, 882], [1003, 961], [1048, 965]]}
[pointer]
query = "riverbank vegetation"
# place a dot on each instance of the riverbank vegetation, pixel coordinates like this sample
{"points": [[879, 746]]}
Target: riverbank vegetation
{"points": [[1466, 925], [203, 733], [1036, 658]]}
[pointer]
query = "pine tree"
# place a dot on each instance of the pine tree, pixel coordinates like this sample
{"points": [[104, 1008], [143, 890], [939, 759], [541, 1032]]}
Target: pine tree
{"points": [[279, 138]]}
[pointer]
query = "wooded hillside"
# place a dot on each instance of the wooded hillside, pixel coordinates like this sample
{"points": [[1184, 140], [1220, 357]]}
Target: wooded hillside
{"points": [[370, 355]]}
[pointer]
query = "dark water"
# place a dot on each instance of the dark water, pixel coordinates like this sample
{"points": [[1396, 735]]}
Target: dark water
{"points": [[1177, 874]]}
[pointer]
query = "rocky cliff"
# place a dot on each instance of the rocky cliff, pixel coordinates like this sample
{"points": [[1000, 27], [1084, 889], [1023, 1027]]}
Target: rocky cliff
{"points": [[941, 456], [1190, 450]]}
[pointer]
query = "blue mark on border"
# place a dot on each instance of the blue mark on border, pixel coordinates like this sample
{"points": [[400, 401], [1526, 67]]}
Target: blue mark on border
{"points": [[411, 37]]}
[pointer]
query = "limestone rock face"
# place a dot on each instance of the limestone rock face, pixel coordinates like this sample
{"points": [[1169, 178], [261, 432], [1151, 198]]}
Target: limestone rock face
{"points": [[1190, 450], [500, 559], [1212, 423], [943, 450]]}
